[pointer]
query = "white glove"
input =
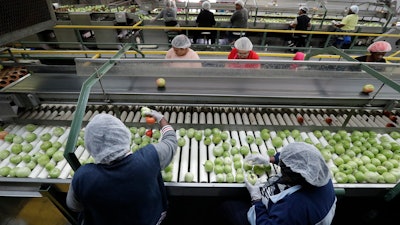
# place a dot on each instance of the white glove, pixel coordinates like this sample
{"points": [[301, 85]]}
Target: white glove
{"points": [[156, 115], [256, 159], [254, 190]]}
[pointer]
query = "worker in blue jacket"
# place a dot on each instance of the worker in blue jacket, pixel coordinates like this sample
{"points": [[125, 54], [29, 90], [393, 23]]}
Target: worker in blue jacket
{"points": [[121, 187], [303, 193]]}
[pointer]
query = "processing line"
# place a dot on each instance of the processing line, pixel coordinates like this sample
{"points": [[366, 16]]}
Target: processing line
{"points": [[235, 100]]}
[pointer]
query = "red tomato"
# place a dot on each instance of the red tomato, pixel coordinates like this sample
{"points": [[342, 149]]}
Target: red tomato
{"points": [[149, 133], [150, 120], [3, 134]]}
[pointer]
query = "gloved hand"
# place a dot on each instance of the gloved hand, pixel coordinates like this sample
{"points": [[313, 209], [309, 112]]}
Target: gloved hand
{"points": [[256, 159], [254, 190], [156, 115]]}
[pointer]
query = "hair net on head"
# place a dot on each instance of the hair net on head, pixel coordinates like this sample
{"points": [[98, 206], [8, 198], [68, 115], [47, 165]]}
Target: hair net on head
{"points": [[107, 138], [380, 46], [239, 2], [243, 44], [354, 9], [181, 41], [206, 5], [304, 9], [306, 160]]}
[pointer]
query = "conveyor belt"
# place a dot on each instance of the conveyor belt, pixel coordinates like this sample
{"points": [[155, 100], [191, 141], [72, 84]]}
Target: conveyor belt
{"points": [[193, 154]]}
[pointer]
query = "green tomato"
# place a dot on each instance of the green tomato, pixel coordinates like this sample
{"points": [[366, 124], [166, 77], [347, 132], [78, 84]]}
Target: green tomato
{"points": [[30, 127], [58, 156], [9, 137], [26, 158], [27, 147], [4, 171], [4, 154], [30, 137], [50, 151], [15, 159], [54, 173], [45, 137], [22, 172], [18, 139], [16, 148], [58, 131], [46, 145]]}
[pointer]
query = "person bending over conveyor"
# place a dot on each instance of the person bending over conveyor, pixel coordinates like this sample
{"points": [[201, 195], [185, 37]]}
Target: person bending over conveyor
{"points": [[302, 193], [121, 187], [243, 50], [377, 51]]}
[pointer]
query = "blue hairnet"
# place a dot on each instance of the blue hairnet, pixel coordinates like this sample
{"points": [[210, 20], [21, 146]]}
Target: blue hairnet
{"points": [[181, 41], [243, 44], [107, 138], [306, 160]]}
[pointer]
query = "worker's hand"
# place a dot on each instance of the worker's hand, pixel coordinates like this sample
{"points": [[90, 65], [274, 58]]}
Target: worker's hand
{"points": [[256, 159], [152, 20], [254, 189], [156, 115]]}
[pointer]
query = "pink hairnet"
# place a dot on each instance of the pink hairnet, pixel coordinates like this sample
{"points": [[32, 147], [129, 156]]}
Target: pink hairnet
{"points": [[380, 46], [299, 56]]}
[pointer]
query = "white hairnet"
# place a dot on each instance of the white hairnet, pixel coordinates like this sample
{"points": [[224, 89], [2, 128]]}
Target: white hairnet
{"points": [[181, 41], [354, 9], [206, 5], [107, 138], [380, 46], [243, 44], [304, 8], [306, 160], [239, 2]]}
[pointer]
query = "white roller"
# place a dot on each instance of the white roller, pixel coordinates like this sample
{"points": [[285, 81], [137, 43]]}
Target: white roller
{"points": [[273, 119], [184, 163], [124, 114], [260, 120], [263, 147], [211, 157], [202, 119], [235, 135], [181, 117], [65, 173], [195, 118], [194, 160], [245, 119], [253, 119], [88, 115], [175, 167], [231, 118], [203, 175], [129, 118], [224, 118], [266, 118], [280, 119], [238, 118], [173, 117], [287, 119], [313, 138], [188, 118], [210, 118]]}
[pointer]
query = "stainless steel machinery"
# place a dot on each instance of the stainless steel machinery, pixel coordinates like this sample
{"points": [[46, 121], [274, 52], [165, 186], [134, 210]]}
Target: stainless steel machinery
{"points": [[209, 94]]}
